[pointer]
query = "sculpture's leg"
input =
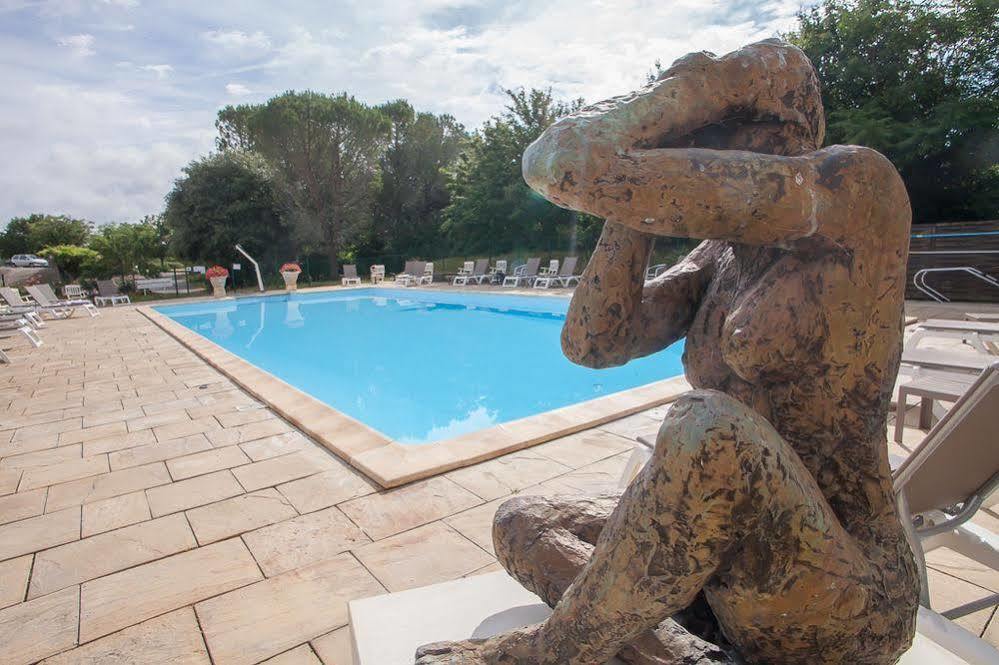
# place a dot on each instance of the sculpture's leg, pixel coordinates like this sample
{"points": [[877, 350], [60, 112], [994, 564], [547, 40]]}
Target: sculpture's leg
{"points": [[724, 505], [544, 542]]}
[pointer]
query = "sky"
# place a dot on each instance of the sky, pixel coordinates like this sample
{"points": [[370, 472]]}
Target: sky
{"points": [[103, 102]]}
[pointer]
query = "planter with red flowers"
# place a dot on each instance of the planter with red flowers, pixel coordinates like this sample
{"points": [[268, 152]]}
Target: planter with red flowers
{"points": [[290, 273], [217, 275]]}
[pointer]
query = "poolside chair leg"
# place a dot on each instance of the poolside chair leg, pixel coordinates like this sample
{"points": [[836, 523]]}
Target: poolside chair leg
{"points": [[35, 319]]}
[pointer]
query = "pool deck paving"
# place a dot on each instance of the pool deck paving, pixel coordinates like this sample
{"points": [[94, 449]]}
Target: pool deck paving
{"points": [[152, 511]]}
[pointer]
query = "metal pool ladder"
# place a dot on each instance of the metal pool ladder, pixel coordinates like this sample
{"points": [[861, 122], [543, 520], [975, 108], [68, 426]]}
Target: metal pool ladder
{"points": [[260, 282], [919, 280]]}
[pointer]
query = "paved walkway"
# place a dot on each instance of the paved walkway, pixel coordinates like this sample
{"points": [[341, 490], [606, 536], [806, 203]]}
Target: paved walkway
{"points": [[151, 511]]}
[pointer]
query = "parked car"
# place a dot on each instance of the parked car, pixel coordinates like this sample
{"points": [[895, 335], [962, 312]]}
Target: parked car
{"points": [[28, 261]]}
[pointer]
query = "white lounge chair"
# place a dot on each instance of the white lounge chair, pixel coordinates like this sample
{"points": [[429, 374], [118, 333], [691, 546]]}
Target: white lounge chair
{"points": [[411, 274], [495, 273], [427, 277], [526, 273], [73, 292], [377, 273], [654, 271], [350, 276], [11, 326], [973, 332], [476, 273], [943, 483], [549, 271], [564, 277], [46, 297], [108, 293], [952, 362], [19, 305]]}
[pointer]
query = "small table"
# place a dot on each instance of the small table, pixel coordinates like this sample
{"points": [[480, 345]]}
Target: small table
{"points": [[947, 387]]}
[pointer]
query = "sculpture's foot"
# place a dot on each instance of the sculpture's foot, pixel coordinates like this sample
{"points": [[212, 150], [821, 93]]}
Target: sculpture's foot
{"points": [[518, 647]]}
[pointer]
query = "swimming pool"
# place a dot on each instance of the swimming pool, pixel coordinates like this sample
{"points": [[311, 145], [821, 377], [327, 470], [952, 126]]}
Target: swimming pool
{"points": [[419, 366]]}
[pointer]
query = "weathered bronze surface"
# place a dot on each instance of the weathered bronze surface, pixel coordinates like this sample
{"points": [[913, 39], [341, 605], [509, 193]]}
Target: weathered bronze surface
{"points": [[763, 528]]}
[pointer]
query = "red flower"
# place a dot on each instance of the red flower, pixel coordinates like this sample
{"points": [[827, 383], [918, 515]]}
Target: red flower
{"points": [[291, 267], [216, 271]]}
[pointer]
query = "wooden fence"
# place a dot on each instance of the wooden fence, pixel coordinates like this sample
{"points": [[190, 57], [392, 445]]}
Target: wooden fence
{"points": [[955, 245]]}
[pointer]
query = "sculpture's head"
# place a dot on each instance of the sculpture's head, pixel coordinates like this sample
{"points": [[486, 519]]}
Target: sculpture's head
{"points": [[764, 98]]}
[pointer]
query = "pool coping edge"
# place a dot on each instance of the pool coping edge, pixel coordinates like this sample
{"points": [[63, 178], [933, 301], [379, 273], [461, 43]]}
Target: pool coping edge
{"points": [[389, 463]]}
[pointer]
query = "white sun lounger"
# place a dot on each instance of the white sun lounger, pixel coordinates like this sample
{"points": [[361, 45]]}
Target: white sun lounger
{"points": [[350, 276], [954, 362], [10, 327], [46, 297], [527, 273], [19, 304], [109, 293], [474, 271], [973, 332], [411, 274], [564, 276]]}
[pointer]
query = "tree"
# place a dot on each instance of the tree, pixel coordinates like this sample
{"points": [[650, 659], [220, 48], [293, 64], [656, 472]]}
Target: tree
{"points": [[491, 208], [413, 181], [25, 235], [127, 249], [72, 260], [224, 199], [325, 150], [917, 80]]}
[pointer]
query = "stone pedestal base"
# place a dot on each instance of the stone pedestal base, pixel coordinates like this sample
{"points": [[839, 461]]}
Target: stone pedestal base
{"points": [[386, 630]]}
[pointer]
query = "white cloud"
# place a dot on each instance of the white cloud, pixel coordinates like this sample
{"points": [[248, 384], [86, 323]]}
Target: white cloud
{"points": [[81, 45], [238, 42], [161, 71], [104, 136]]}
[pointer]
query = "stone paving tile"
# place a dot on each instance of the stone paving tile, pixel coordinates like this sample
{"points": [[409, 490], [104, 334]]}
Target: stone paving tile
{"points": [[236, 418], [192, 492], [476, 524], [171, 639], [48, 429], [156, 452], [272, 446], [47, 457], [599, 478], [336, 647], [111, 415], [303, 540], [250, 432], [91, 433], [947, 592], [300, 655], [170, 404], [109, 552], [38, 628], [125, 598], [23, 504], [186, 428], [425, 555], [634, 426], [269, 617], [389, 512], [38, 533], [507, 474], [114, 513], [63, 472], [201, 463], [584, 448], [35, 444], [144, 422], [276, 470], [14, 580], [106, 486], [336, 485], [118, 442], [239, 514], [9, 479]]}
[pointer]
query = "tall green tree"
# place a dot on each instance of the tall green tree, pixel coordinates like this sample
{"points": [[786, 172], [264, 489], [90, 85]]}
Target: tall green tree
{"points": [[325, 149], [28, 235], [917, 80], [491, 208], [413, 182], [127, 249], [224, 199]]}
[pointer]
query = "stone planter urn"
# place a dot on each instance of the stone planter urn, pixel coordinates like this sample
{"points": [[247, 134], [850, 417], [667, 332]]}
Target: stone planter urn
{"points": [[217, 276], [290, 273], [218, 286]]}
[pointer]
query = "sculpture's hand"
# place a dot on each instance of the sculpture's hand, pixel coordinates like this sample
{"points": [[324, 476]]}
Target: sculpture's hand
{"points": [[766, 82]]}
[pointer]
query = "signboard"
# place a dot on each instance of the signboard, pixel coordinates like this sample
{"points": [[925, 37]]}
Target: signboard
{"points": [[237, 266]]}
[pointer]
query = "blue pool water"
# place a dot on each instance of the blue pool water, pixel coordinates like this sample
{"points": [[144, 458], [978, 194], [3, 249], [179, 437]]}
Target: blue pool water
{"points": [[419, 366]]}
